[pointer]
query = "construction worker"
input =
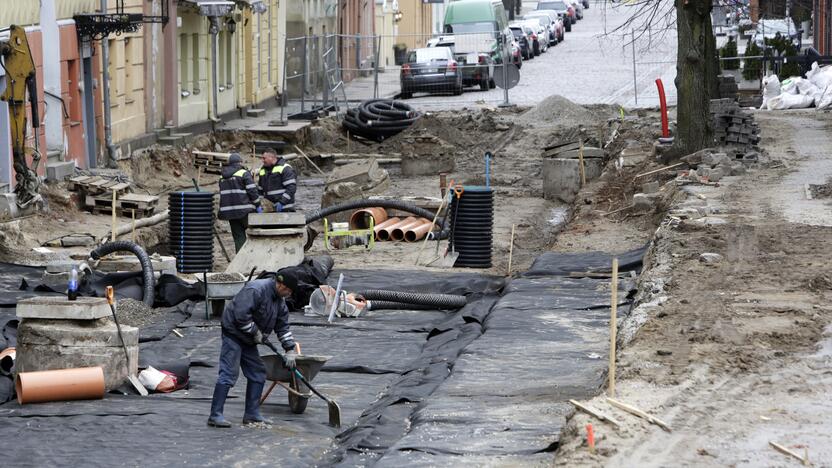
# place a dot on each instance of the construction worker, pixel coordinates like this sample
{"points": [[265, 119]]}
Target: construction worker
{"points": [[238, 198], [247, 321], [277, 181]]}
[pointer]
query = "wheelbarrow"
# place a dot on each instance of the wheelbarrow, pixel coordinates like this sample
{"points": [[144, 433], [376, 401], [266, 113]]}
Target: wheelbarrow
{"points": [[279, 374]]}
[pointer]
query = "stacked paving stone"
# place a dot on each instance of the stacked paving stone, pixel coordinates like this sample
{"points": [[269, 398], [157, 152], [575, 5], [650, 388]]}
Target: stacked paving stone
{"points": [[734, 129], [728, 88]]}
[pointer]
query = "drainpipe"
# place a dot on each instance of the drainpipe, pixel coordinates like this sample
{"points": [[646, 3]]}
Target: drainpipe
{"points": [[214, 30], [105, 76]]}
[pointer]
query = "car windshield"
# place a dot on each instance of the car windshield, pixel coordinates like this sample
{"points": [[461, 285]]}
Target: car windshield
{"points": [[517, 32], [551, 6], [462, 28], [428, 55]]}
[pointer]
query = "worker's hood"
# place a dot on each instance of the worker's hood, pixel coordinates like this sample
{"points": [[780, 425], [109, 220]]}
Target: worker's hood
{"points": [[228, 171]]}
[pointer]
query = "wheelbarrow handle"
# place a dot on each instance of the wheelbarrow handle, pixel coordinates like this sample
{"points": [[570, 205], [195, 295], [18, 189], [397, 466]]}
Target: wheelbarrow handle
{"points": [[297, 373]]}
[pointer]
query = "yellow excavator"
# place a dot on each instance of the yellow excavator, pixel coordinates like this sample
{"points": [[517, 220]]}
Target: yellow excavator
{"points": [[16, 59]]}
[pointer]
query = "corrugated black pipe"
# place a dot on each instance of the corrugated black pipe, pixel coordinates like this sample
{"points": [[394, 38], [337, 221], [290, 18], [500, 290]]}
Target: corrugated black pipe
{"points": [[147, 267], [389, 305], [438, 301], [369, 203]]}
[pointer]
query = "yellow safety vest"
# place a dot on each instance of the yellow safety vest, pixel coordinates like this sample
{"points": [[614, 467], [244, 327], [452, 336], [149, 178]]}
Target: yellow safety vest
{"points": [[275, 170], [239, 173]]}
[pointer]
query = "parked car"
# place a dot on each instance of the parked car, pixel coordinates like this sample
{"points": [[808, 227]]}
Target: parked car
{"points": [[585, 4], [430, 69], [518, 30], [579, 8], [539, 36], [477, 67], [556, 23], [564, 10], [516, 55], [546, 22], [476, 26]]}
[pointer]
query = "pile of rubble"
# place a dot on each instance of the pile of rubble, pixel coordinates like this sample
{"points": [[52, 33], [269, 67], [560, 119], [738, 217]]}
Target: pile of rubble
{"points": [[709, 165]]}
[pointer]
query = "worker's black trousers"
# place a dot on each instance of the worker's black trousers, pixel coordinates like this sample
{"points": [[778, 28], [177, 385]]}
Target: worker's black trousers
{"points": [[238, 231], [235, 355]]}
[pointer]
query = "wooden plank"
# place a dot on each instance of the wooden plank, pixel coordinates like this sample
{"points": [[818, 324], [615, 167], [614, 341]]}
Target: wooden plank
{"points": [[613, 325], [635, 411], [138, 197], [660, 170], [596, 413], [803, 459], [211, 153]]}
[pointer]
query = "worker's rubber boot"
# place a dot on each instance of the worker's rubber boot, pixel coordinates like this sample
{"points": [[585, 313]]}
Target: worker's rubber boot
{"points": [[253, 392], [217, 403]]}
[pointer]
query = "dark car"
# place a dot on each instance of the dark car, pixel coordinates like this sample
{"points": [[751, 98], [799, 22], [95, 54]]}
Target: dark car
{"points": [[432, 70], [519, 32], [477, 67]]}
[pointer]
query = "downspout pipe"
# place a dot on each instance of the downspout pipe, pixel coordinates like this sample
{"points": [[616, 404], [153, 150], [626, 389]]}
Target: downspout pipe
{"points": [[105, 90], [214, 30]]}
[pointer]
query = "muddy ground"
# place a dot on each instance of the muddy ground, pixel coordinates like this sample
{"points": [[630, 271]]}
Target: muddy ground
{"points": [[731, 354]]}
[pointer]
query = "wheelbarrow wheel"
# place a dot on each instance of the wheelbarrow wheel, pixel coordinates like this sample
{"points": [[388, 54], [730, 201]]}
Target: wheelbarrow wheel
{"points": [[297, 403]]}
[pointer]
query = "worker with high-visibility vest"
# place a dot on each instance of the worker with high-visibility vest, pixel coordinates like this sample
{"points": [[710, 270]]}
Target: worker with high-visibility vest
{"points": [[277, 181], [238, 198]]}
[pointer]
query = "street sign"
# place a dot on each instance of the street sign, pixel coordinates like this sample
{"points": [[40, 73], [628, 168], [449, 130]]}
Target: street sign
{"points": [[511, 78]]}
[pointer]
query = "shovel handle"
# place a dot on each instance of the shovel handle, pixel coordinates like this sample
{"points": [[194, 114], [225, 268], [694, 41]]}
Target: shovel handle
{"points": [[109, 294]]}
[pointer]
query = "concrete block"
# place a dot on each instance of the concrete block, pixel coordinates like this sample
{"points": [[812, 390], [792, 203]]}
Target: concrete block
{"points": [[64, 344], [424, 164], [716, 174], [644, 202], [589, 152], [710, 258], [59, 307], [362, 172], [269, 248], [650, 187], [737, 169], [267, 220], [59, 170], [561, 179], [715, 159], [112, 264]]}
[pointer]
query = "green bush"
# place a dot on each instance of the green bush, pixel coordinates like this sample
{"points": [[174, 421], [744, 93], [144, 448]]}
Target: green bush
{"points": [[729, 50], [751, 67]]}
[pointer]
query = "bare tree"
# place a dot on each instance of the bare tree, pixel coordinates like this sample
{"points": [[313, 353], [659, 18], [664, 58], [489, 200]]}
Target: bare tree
{"points": [[697, 62]]}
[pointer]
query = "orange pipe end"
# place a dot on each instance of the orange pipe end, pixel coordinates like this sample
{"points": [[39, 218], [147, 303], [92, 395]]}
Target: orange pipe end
{"points": [[418, 232], [83, 383], [387, 232], [389, 222], [360, 218], [397, 233], [590, 438]]}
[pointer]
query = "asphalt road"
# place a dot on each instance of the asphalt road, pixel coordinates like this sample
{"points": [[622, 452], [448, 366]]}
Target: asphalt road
{"points": [[592, 65]]}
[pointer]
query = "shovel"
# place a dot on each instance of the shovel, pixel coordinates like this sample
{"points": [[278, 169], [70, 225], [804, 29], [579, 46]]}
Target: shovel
{"points": [[134, 381], [449, 259], [334, 409]]}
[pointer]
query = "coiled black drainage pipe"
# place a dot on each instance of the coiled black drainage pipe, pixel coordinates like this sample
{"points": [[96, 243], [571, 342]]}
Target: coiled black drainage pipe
{"points": [[190, 230], [436, 301], [148, 280], [472, 216], [388, 305], [377, 119]]}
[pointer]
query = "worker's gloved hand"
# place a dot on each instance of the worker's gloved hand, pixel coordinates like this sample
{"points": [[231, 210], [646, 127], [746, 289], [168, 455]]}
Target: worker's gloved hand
{"points": [[259, 209], [289, 358], [278, 207], [258, 337]]}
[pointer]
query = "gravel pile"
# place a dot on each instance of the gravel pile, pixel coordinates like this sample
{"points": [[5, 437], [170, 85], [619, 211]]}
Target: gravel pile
{"points": [[136, 314], [558, 111], [226, 278]]}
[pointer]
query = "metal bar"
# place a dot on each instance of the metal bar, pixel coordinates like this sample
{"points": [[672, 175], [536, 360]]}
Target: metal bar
{"points": [[305, 74], [635, 84]]}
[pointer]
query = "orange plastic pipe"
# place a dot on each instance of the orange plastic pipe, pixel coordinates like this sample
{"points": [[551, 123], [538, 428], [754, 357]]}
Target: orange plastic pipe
{"points": [[83, 383], [418, 232], [387, 232], [389, 222], [358, 219], [397, 233]]}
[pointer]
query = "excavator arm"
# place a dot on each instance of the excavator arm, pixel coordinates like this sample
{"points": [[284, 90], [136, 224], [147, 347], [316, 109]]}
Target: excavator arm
{"points": [[16, 59]]}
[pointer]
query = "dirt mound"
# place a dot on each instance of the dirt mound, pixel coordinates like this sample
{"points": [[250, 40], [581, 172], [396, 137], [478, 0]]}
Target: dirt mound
{"points": [[559, 112]]}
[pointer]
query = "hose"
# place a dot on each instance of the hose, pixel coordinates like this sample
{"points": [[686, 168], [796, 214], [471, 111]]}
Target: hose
{"points": [[437, 301], [378, 119], [389, 305], [147, 267], [371, 203]]}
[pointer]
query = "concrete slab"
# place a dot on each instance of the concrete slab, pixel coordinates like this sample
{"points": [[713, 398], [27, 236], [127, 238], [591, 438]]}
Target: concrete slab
{"points": [[589, 152], [61, 308], [269, 249], [561, 179], [59, 170], [64, 344], [160, 263], [360, 172], [263, 220]]}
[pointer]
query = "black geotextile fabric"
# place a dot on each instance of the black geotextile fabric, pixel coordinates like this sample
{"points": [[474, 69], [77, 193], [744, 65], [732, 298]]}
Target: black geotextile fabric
{"points": [[488, 383], [554, 263]]}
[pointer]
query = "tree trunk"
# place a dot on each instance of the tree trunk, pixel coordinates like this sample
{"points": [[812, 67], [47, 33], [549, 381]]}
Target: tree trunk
{"points": [[696, 72]]}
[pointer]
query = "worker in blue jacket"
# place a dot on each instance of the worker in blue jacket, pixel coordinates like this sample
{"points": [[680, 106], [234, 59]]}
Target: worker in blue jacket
{"points": [[248, 319], [277, 181]]}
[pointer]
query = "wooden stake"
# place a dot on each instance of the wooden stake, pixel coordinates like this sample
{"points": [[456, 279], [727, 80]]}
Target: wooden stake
{"points": [[307, 158], [432, 225], [659, 170], [639, 413], [511, 249], [581, 163], [786, 451], [113, 235], [133, 224], [596, 413], [613, 326], [198, 175]]}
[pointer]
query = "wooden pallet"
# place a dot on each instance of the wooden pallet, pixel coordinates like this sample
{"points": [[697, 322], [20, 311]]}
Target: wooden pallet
{"points": [[124, 213], [95, 185], [144, 205]]}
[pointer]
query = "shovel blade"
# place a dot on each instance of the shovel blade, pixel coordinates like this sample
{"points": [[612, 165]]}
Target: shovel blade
{"points": [[134, 381], [334, 413], [449, 260]]}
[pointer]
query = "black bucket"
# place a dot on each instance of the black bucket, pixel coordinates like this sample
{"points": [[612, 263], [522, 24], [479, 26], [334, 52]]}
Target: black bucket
{"points": [[471, 234], [190, 230]]}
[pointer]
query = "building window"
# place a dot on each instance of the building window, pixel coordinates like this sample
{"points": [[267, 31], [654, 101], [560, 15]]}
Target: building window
{"points": [[183, 64], [115, 92], [195, 59]]}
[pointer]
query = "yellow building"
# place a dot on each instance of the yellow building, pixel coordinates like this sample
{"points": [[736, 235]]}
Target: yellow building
{"points": [[415, 27]]}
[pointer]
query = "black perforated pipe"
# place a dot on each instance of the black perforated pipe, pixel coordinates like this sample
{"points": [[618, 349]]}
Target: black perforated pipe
{"points": [[149, 281], [389, 305], [438, 301]]}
